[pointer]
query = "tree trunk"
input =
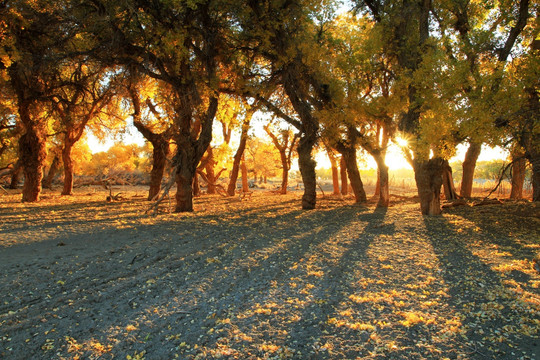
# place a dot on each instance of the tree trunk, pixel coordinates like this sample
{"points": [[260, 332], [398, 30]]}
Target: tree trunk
{"points": [[284, 174], [16, 175], [469, 165], [196, 186], [535, 161], [68, 169], [307, 170], [238, 156], [245, 183], [343, 173], [210, 173], [518, 177], [335, 172], [55, 165], [429, 178], [33, 153], [354, 175], [383, 181], [159, 161], [448, 182]]}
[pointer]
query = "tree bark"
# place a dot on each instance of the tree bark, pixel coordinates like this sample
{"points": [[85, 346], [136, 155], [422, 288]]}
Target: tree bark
{"points": [[448, 182], [307, 170], [335, 171], [245, 183], [536, 177], [33, 153], [238, 156], [210, 173], [68, 169], [196, 186], [343, 174], [383, 180], [354, 175], [55, 165], [429, 178], [160, 152], [469, 164], [518, 177]]}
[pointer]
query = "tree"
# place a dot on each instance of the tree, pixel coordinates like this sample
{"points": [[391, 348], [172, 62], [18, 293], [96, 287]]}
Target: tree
{"points": [[239, 154], [182, 45], [284, 143]]}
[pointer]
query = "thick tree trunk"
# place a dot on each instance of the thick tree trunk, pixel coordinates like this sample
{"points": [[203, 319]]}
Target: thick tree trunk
{"points": [[448, 182], [184, 192], [343, 174], [335, 171], [55, 165], [245, 182], [307, 170], [518, 177], [159, 161], [469, 164], [284, 175], [383, 181], [68, 169], [535, 161], [429, 178], [33, 153], [238, 156], [354, 175]]}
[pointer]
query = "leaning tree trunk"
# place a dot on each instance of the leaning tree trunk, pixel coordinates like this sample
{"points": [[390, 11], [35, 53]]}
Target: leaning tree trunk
{"points": [[238, 156], [68, 169], [55, 165], [32, 152], [159, 161], [429, 178], [383, 181], [448, 182], [469, 164], [307, 170], [343, 174], [354, 175], [285, 172], [518, 177]]}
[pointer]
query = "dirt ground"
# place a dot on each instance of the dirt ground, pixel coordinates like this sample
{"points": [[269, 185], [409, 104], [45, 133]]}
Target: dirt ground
{"points": [[81, 278]]}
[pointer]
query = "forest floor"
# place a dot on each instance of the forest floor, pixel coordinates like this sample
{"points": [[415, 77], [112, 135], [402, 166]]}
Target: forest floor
{"points": [[81, 278]]}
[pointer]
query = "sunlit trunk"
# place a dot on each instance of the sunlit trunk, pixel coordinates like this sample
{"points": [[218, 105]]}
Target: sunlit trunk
{"points": [[210, 173], [245, 183], [335, 174], [196, 186], [518, 178], [448, 182], [383, 181], [238, 156], [469, 164], [429, 178]]}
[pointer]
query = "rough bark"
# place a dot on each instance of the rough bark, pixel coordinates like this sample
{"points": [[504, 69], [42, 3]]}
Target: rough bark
{"points": [[210, 173], [469, 164], [238, 157], [448, 182], [245, 183], [160, 152], [429, 179], [335, 171], [343, 174], [518, 177], [33, 153], [383, 181], [53, 169], [536, 177], [68, 169], [307, 170], [354, 175], [196, 186]]}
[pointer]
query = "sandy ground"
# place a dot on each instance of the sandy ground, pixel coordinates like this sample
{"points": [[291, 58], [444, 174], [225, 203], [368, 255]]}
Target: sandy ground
{"points": [[81, 278]]}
